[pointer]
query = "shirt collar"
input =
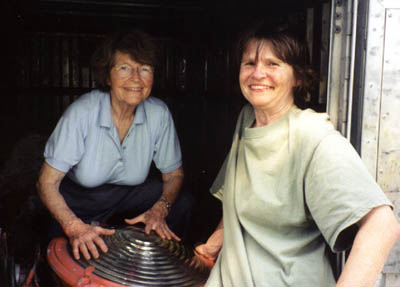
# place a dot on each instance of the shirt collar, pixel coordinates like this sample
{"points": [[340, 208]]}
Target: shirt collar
{"points": [[140, 114], [105, 118]]}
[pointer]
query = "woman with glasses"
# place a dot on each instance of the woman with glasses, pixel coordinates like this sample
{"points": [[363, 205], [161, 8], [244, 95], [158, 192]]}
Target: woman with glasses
{"points": [[98, 158]]}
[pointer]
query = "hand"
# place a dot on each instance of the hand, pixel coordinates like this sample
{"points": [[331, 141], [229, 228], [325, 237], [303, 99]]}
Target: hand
{"points": [[154, 219], [84, 238], [209, 253], [211, 248], [202, 262]]}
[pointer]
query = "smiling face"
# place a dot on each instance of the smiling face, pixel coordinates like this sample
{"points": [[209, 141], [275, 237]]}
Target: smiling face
{"points": [[266, 81], [130, 81]]}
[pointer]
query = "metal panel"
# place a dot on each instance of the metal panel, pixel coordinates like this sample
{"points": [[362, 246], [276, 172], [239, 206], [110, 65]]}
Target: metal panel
{"points": [[372, 88], [388, 4], [389, 134], [380, 144], [341, 63], [388, 163]]}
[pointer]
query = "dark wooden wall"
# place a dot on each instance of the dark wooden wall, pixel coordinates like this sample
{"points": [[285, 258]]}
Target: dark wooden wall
{"points": [[49, 44]]}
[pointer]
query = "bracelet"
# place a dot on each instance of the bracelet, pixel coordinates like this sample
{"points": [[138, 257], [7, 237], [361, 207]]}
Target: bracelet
{"points": [[167, 204]]}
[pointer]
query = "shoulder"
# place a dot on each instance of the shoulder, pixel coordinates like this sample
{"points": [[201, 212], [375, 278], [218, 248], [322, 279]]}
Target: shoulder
{"points": [[246, 116], [156, 111], [310, 126], [155, 104], [86, 104]]}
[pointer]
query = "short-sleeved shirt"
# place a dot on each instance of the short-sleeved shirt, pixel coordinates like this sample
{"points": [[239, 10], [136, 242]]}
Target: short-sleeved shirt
{"points": [[288, 189], [85, 143]]}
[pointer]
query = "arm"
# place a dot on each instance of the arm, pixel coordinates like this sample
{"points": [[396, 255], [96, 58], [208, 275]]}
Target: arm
{"points": [[154, 218], [378, 232], [81, 236], [212, 247]]}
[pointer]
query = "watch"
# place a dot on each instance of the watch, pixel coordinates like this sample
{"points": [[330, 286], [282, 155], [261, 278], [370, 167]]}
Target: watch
{"points": [[167, 204]]}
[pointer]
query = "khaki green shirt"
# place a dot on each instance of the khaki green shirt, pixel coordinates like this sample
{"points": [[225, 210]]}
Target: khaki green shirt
{"points": [[288, 189]]}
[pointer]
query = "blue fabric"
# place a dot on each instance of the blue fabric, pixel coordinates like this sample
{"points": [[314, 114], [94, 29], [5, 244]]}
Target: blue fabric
{"points": [[85, 142]]}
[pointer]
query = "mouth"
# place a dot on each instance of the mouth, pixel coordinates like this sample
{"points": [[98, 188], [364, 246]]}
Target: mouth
{"points": [[133, 89], [261, 87]]}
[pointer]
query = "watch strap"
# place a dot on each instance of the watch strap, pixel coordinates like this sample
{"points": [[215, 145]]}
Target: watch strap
{"points": [[167, 204]]}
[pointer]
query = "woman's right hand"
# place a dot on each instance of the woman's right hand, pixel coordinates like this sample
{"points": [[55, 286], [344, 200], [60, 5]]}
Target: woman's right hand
{"points": [[85, 238], [208, 251], [82, 237], [212, 247]]}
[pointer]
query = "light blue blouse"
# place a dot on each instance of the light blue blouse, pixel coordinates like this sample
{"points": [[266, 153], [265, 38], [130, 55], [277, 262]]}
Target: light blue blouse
{"points": [[85, 142]]}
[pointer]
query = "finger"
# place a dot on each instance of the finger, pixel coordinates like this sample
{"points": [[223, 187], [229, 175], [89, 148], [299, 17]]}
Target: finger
{"points": [[75, 249], [161, 232], [135, 220], [84, 251], [105, 231], [92, 248], [172, 235], [101, 244], [148, 228]]}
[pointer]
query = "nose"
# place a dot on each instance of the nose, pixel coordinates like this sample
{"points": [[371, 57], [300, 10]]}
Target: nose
{"points": [[135, 75], [259, 71]]}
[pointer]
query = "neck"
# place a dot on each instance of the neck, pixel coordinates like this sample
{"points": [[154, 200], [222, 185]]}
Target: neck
{"points": [[122, 112], [266, 116]]}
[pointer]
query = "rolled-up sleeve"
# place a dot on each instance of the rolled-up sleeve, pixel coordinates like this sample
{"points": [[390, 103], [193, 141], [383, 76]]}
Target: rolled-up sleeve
{"points": [[65, 147], [167, 153], [339, 190]]}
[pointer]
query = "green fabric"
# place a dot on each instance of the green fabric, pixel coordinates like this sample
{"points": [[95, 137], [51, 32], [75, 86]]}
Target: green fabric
{"points": [[287, 188]]}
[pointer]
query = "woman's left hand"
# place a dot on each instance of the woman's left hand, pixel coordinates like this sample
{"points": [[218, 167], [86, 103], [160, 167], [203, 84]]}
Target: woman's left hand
{"points": [[154, 219]]}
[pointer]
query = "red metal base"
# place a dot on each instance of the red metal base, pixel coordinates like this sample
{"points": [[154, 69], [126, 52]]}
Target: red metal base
{"points": [[69, 271]]}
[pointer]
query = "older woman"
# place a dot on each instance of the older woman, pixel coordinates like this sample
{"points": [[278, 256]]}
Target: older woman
{"points": [[99, 155], [292, 184]]}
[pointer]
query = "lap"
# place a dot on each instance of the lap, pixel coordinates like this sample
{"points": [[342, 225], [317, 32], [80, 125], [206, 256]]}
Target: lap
{"points": [[112, 203]]}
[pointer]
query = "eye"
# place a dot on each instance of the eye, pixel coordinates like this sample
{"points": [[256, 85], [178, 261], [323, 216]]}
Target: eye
{"points": [[146, 69], [248, 63], [124, 70], [272, 64]]}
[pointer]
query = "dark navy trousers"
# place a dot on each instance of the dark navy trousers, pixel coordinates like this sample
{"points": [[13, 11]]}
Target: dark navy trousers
{"points": [[111, 204]]}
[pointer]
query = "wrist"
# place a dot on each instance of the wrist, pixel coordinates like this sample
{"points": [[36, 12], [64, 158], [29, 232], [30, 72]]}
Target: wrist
{"points": [[166, 204], [72, 226]]}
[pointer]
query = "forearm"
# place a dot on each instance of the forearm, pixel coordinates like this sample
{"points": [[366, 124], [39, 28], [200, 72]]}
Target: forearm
{"points": [[217, 237], [48, 190], [172, 183], [212, 247], [57, 207], [373, 242]]}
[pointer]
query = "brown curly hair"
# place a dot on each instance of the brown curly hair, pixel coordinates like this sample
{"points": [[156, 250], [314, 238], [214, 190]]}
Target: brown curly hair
{"points": [[289, 47], [140, 46]]}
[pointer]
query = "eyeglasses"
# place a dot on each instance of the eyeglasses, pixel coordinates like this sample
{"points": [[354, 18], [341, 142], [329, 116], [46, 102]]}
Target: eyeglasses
{"points": [[125, 71]]}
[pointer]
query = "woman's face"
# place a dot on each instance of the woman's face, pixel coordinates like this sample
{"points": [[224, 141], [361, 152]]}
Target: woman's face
{"points": [[130, 81], [266, 81]]}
